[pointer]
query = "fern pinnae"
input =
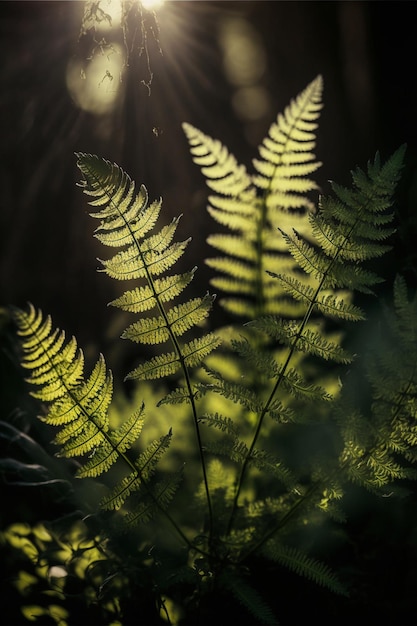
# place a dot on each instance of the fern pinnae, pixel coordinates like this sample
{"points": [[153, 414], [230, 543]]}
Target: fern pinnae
{"points": [[374, 195], [295, 560], [148, 256], [286, 157], [80, 406]]}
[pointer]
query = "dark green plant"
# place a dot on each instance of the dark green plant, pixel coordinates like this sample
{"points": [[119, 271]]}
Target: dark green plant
{"points": [[275, 439]]}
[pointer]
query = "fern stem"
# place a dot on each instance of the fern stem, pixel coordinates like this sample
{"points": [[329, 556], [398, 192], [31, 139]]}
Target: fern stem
{"points": [[178, 351], [282, 522], [291, 351], [186, 373], [121, 455]]}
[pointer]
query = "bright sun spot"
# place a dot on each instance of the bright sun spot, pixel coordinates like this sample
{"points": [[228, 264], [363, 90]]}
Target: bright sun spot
{"points": [[152, 4]]}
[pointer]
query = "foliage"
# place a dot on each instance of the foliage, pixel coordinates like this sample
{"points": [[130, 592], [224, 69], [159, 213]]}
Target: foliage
{"points": [[261, 440]]}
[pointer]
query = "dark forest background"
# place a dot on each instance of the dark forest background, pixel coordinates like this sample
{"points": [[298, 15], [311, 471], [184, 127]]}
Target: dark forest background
{"points": [[366, 52]]}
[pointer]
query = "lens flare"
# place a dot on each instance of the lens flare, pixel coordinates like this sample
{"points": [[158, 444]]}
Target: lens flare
{"points": [[152, 5]]}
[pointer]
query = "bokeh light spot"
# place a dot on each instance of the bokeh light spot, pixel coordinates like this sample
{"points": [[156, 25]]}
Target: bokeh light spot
{"points": [[95, 85]]}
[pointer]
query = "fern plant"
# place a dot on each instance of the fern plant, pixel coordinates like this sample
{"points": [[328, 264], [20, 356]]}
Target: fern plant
{"points": [[288, 269], [252, 207]]}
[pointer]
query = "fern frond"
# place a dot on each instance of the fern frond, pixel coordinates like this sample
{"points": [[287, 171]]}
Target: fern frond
{"points": [[180, 318], [79, 407], [373, 456], [316, 264], [286, 154], [163, 493], [221, 168], [128, 221], [120, 440], [197, 350], [225, 424], [309, 340], [273, 467], [157, 367], [237, 393], [253, 207], [145, 468], [301, 564], [142, 299]]}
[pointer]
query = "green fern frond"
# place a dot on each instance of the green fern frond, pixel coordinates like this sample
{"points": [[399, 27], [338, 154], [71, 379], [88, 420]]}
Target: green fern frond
{"points": [[234, 449], [273, 467], [159, 366], [326, 302], [57, 368], [316, 264], [128, 221], [79, 407], [179, 396], [373, 456], [120, 440], [163, 494], [221, 168], [301, 564], [309, 340], [235, 392], [253, 207], [145, 468], [286, 154], [197, 350], [328, 263], [225, 424], [142, 299], [291, 379]]}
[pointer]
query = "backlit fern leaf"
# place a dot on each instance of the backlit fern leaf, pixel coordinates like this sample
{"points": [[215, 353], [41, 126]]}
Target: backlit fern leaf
{"points": [[310, 340], [253, 207], [373, 455], [128, 221], [286, 154], [79, 407], [145, 467], [221, 422], [322, 276], [301, 564], [164, 491]]}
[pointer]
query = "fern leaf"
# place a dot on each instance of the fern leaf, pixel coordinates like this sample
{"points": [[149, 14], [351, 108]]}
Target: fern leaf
{"points": [[128, 221], [163, 493], [120, 440], [254, 206], [80, 408], [308, 340], [121, 492], [221, 422], [301, 564], [286, 154], [158, 367], [221, 168], [146, 465], [197, 350], [274, 467], [142, 299]]}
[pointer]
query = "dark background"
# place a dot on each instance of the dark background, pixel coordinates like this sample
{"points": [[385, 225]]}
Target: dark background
{"points": [[366, 52]]}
